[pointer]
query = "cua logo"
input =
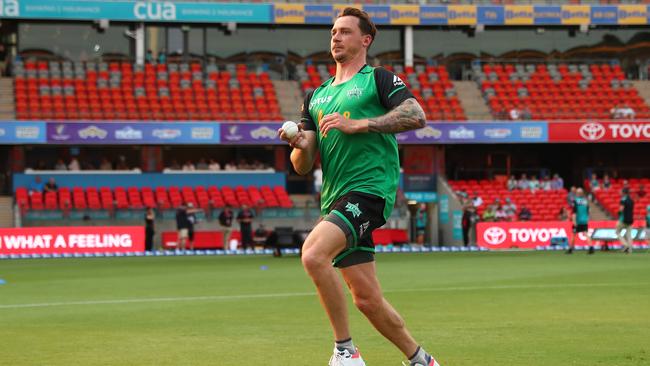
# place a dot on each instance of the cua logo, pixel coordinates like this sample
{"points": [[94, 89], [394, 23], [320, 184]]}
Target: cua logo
{"points": [[154, 10], [9, 8]]}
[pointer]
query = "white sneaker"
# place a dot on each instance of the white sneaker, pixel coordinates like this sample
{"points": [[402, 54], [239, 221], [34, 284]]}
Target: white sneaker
{"points": [[344, 358]]}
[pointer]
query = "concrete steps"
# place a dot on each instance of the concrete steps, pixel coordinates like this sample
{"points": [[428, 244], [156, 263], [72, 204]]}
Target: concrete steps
{"points": [[643, 86], [472, 101], [7, 105], [597, 213], [290, 98], [6, 211]]}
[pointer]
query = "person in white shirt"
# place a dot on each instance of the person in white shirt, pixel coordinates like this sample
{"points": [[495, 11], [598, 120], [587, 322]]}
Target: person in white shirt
{"points": [[188, 166], [512, 183], [534, 183], [74, 164], [523, 182], [214, 165], [515, 114], [477, 201]]}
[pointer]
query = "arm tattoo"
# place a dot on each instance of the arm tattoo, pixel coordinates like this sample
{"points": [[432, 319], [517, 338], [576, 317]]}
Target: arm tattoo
{"points": [[406, 116]]}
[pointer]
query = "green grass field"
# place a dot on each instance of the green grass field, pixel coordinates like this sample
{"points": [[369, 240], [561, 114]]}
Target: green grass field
{"points": [[533, 308]]}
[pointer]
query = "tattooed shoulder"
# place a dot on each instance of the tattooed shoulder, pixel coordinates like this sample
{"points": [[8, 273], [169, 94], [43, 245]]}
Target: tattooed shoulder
{"points": [[406, 116]]}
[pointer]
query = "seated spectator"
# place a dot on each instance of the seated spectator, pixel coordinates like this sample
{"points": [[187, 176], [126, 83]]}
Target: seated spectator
{"points": [[526, 115], [511, 208], [607, 184], [188, 166], [641, 192], [36, 186], [627, 112], [534, 183], [105, 164], [525, 214], [74, 165], [563, 215], [51, 186], [175, 165], [148, 57], [593, 182], [243, 165], [477, 201], [257, 165], [512, 183], [557, 182], [545, 184], [230, 166], [490, 213], [523, 182], [201, 165], [162, 56], [121, 163], [616, 112], [214, 165], [515, 114], [60, 165], [501, 214]]}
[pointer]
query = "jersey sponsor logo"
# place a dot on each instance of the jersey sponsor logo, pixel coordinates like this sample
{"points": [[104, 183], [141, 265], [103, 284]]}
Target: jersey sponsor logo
{"points": [[461, 133], [59, 133], [320, 100], [363, 227], [592, 131], [93, 132], [355, 92], [128, 133], [397, 81], [353, 208]]}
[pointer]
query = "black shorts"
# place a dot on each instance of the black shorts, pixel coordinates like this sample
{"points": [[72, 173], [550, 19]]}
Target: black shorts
{"points": [[580, 228], [358, 215]]}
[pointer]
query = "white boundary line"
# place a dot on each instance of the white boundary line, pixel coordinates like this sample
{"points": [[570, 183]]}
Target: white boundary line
{"points": [[304, 294]]}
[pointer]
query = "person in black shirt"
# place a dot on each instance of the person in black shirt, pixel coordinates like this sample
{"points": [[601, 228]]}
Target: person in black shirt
{"points": [[225, 221], [183, 226], [51, 186], [149, 229], [625, 220], [245, 219]]}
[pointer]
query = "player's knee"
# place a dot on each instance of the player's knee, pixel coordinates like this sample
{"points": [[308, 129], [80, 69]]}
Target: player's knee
{"points": [[368, 304], [313, 261]]}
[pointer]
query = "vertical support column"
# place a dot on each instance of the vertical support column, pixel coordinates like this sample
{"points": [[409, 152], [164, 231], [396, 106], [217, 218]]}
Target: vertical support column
{"points": [[17, 159], [408, 45], [139, 44], [280, 159]]}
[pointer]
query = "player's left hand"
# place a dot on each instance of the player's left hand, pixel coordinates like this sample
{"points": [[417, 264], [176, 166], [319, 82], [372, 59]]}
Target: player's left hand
{"points": [[337, 121]]}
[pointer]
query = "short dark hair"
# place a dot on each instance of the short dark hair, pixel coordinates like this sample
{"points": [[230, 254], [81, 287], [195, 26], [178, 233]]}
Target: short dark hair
{"points": [[365, 23]]}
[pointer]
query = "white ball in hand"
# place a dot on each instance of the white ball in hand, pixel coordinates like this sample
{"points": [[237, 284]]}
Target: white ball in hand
{"points": [[290, 128]]}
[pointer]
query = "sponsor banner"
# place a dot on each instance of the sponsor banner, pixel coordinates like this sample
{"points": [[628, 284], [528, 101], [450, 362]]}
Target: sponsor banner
{"points": [[22, 132], [140, 11], [250, 133], [477, 133], [421, 196], [604, 14], [83, 239], [613, 131], [531, 234], [433, 15], [443, 209], [132, 133], [380, 14], [289, 13], [519, 15], [490, 15], [404, 14], [461, 14], [548, 15], [632, 14], [576, 14], [319, 14]]}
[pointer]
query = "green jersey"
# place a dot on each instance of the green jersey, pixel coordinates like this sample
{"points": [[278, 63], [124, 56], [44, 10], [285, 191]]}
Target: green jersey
{"points": [[363, 162], [647, 217], [581, 210]]}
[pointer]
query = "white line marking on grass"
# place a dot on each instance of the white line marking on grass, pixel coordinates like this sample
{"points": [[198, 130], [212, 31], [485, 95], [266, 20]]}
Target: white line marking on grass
{"points": [[301, 294]]}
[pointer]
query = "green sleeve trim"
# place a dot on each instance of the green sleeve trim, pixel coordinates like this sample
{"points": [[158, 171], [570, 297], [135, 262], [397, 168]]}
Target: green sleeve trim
{"points": [[345, 219], [395, 91]]}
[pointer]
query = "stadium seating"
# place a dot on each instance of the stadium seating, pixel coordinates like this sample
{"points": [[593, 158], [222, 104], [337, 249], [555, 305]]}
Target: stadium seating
{"points": [[430, 85], [126, 91], [610, 198], [557, 91], [162, 198], [544, 205]]}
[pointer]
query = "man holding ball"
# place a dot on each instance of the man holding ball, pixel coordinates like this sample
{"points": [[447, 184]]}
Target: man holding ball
{"points": [[351, 120]]}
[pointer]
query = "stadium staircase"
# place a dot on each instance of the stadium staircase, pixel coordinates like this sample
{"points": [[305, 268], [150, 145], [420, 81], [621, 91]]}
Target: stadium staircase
{"points": [[472, 101], [6, 211], [643, 86], [597, 213], [289, 99], [7, 106]]}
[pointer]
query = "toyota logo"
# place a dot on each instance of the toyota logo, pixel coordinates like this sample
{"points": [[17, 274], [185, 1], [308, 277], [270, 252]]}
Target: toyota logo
{"points": [[592, 131], [494, 235]]}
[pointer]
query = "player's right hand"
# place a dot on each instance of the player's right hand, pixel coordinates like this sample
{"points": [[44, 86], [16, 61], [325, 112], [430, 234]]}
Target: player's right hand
{"points": [[298, 141]]}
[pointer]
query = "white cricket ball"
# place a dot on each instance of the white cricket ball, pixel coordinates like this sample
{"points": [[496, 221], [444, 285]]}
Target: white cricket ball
{"points": [[290, 128]]}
